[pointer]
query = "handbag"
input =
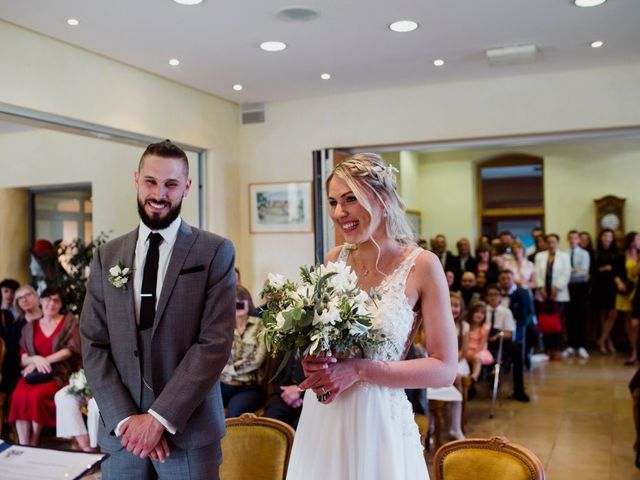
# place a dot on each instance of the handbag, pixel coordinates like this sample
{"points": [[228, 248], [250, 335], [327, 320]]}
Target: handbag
{"points": [[549, 318], [36, 377]]}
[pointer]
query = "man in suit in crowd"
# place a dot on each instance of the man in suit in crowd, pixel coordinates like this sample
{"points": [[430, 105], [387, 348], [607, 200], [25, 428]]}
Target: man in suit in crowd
{"points": [[439, 247], [464, 262], [578, 292], [520, 302], [155, 337]]}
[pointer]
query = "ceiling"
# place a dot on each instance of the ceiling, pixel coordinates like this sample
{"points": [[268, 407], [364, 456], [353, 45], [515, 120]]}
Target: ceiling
{"points": [[217, 41]]}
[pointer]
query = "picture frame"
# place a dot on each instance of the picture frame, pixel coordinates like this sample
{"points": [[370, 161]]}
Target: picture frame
{"points": [[281, 207], [414, 217]]}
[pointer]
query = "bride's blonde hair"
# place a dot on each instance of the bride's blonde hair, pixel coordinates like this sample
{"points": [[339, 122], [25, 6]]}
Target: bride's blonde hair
{"points": [[367, 176]]}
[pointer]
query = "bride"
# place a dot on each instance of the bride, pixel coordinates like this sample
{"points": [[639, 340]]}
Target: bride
{"points": [[364, 427]]}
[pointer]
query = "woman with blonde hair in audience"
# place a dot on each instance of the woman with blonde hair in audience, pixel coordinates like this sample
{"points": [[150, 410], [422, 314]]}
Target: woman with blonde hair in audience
{"points": [[462, 330], [626, 280], [50, 353], [523, 269], [604, 288]]}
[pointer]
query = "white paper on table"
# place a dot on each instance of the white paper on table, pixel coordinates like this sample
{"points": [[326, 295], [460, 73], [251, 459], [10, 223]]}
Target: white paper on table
{"points": [[25, 463]]}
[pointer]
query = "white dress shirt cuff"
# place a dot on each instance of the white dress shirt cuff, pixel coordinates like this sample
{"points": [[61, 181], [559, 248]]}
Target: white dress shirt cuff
{"points": [[165, 423], [119, 425]]}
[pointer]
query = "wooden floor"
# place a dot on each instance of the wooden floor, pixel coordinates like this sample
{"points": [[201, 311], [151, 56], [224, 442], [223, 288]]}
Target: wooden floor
{"points": [[579, 421]]}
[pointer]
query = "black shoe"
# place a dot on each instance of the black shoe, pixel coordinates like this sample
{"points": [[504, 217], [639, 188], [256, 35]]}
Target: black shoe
{"points": [[521, 397], [472, 392]]}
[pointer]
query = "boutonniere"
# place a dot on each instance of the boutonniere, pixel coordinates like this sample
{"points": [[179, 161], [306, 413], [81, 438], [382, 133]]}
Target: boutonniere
{"points": [[119, 276]]}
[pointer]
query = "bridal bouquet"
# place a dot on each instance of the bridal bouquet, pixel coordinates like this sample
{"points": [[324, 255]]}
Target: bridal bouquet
{"points": [[78, 384], [325, 313]]}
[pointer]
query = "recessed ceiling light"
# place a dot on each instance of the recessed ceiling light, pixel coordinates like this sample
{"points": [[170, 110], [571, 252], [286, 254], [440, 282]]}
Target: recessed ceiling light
{"points": [[597, 44], [588, 3], [403, 26], [325, 76], [189, 2], [438, 62], [237, 87], [273, 46], [174, 62], [73, 22]]}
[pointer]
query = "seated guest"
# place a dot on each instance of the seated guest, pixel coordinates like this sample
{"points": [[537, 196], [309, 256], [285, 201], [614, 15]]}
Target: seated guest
{"points": [[50, 353], [245, 293], [501, 320], [478, 353], [241, 381], [469, 289], [69, 420], [462, 329], [285, 403], [481, 284], [553, 271], [10, 331], [485, 264], [523, 270]]}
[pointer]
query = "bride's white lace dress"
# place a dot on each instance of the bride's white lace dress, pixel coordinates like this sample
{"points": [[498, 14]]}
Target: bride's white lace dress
{"points": [[368, 432]]}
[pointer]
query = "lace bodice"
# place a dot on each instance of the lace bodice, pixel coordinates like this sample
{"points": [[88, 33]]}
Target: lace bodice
{"points": [[393, 316]]}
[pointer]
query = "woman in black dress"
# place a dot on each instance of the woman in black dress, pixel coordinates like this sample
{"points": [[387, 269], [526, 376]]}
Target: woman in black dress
{"points": [[604, 288]]}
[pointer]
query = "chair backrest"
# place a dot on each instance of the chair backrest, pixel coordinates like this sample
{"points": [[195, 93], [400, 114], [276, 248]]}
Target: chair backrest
{"points": [[486, 459], [255, 447]]}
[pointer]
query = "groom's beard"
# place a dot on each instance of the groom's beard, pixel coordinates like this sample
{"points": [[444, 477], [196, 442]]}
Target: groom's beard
{"points": [[155, 222]]}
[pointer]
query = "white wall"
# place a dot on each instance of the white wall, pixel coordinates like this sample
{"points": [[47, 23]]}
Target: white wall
{"points": [[37, 157], [50, 76], [280, 149]]}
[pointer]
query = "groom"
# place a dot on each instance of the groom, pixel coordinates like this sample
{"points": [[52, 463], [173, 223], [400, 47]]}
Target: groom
{"points": [[156, 337]]}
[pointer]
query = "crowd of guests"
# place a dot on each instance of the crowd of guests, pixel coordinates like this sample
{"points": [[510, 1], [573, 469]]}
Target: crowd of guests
{"points": [[503, 297], [537, 301]]}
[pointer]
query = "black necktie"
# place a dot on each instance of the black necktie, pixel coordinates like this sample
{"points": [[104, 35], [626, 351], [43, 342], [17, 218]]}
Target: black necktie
{"points": [[149, 282], [492, 330], [573, 251]]}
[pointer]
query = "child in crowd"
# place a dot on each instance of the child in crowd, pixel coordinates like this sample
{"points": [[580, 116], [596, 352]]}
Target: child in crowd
{"points": [[477, 347]]}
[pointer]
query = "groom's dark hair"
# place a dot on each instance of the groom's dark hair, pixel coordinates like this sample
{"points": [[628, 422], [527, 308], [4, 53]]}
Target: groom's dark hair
{"points": [[166, 149]]}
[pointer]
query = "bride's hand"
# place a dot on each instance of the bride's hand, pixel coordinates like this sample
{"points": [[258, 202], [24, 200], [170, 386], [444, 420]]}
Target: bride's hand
{"points": [[329, 375]]}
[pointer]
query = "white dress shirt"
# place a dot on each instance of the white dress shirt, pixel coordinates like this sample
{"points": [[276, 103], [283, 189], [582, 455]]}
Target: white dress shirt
{"points": [[581, 264], [165, 248], [504, 319]]}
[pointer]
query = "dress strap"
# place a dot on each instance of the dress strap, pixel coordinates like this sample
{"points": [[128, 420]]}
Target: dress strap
{"points": [[402, 272], [344, 252]]}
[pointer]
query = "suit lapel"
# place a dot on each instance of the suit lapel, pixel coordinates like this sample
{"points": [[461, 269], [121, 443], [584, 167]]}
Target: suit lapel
{"points": [[128, 258], [181, 248]]}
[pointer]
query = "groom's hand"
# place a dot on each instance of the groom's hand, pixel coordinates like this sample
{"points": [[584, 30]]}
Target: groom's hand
{"points": [[142, 436]]}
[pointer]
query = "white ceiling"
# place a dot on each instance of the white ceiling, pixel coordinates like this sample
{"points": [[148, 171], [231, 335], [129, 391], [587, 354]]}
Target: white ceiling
{"points": [[217, 41]]}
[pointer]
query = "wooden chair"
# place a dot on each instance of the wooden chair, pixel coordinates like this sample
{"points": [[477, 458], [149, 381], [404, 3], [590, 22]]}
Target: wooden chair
{"points": [[438, 411], [423, 428], [255, 447], [486, 459]]}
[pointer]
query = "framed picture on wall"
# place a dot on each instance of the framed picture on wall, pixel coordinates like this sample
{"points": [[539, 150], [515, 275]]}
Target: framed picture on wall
{"points": [[414, 217], [280, 207]]}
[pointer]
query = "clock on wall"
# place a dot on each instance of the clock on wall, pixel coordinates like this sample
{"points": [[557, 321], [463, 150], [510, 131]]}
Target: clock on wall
{"points": [[610, 214]]}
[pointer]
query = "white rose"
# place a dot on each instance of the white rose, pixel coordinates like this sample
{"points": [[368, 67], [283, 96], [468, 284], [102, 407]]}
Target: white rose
{"points": [[280, 320], [114, 271], [330, 316], [125, 270], [276, 280]]}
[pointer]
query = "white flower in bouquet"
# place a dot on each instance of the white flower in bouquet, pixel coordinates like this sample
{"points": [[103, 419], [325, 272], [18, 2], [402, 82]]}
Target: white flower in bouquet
{"points": [[324, 313], [78, 384]]}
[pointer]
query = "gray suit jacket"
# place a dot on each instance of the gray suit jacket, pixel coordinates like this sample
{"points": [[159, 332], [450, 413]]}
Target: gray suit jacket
{"points": [[191, 337]]}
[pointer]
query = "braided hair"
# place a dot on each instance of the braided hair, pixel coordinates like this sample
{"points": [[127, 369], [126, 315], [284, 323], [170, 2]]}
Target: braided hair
{"points": [[369, 177]]}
